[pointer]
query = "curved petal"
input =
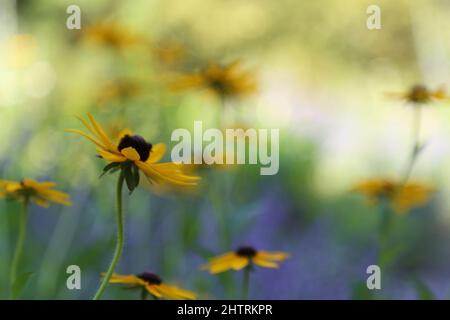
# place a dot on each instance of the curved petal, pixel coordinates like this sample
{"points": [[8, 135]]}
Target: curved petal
{"points": [[131, 154], [264, 263], [109, 156], [157, 152], [273, 256], [173, 292], [101, 134], [125, 279]]}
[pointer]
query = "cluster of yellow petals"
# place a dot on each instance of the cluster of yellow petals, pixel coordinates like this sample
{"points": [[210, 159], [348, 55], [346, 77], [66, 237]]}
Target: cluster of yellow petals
{"points": [[401, 197], [234, 261], [225, 80], [40, 193], [160, 291]]}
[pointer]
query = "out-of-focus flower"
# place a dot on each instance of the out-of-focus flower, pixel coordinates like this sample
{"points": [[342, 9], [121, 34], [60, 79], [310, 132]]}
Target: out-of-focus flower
{"points": [[120, 89], [401, 197], [110, 34], [153, 284], [169, 52], [133, 153], [420, 94], [21, 50], [243, 257], [40, 193], [224, 80]]}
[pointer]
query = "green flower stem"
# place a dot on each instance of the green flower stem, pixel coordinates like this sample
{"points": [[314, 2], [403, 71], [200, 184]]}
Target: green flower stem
{"points": [[20, 242], [246, 282], [120, 239], [144, 293], [417, 146]]}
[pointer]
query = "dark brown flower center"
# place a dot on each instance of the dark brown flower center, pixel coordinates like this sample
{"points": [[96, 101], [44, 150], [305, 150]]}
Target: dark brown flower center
{"points": [[150, 278], [419, 94], [138, 143], [246, 251]]}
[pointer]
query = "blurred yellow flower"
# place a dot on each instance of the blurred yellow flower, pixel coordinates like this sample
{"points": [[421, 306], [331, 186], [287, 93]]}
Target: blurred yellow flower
{"points": [[243, 257], [110, 34], [120, 89], [40, 193], [224, 80], [402, 197], [132, 153], [154, 285], [420, 94], [169, 52]]}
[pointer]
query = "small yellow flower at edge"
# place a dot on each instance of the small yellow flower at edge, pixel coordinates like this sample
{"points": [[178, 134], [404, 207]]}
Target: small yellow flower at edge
{"points": [[154, 285], [243, 257], [40, 193], [420, 94], [402, 198]]}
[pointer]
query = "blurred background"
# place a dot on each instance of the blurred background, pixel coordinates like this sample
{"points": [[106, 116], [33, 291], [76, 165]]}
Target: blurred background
{"points": [[321, 78]]}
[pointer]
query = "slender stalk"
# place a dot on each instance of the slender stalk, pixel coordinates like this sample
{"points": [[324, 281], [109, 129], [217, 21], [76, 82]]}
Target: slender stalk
{"points": [[19, 246], [120, 239], [417, 146], [246, 282], [144, 293]]}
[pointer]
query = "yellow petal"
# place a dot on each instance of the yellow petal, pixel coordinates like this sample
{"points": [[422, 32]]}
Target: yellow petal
{"points": [[264, 263], [125, 279], [273, 256], [157, 152], [109, 156], [131, 154], [173, 292]]}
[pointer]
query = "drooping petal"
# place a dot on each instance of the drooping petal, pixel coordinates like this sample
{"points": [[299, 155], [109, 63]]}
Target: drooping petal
{"points": [[131, 154], [112, 157], [173, 292], [153, 289], [157, 152], [264, 263], [126, 279], [273, 256]]}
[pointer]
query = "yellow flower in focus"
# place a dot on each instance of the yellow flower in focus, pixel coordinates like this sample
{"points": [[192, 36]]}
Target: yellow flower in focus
{"points": [[224, 80], [40, 193], [110, 34], [243, 257], [132, 153], [402, 198], [420, 94], [153, 284]]}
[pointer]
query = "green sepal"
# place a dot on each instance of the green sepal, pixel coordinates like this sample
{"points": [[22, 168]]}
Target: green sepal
{"points": [[111, 168], [131, 173]]}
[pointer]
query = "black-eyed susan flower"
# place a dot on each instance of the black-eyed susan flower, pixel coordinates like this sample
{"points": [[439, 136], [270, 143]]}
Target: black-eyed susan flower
{"points": [[110, 34], [244, 257], [169, 52], [153, 285], [420, 94], [224, 80], [130, 155], [402, 197], [28, 191]]}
